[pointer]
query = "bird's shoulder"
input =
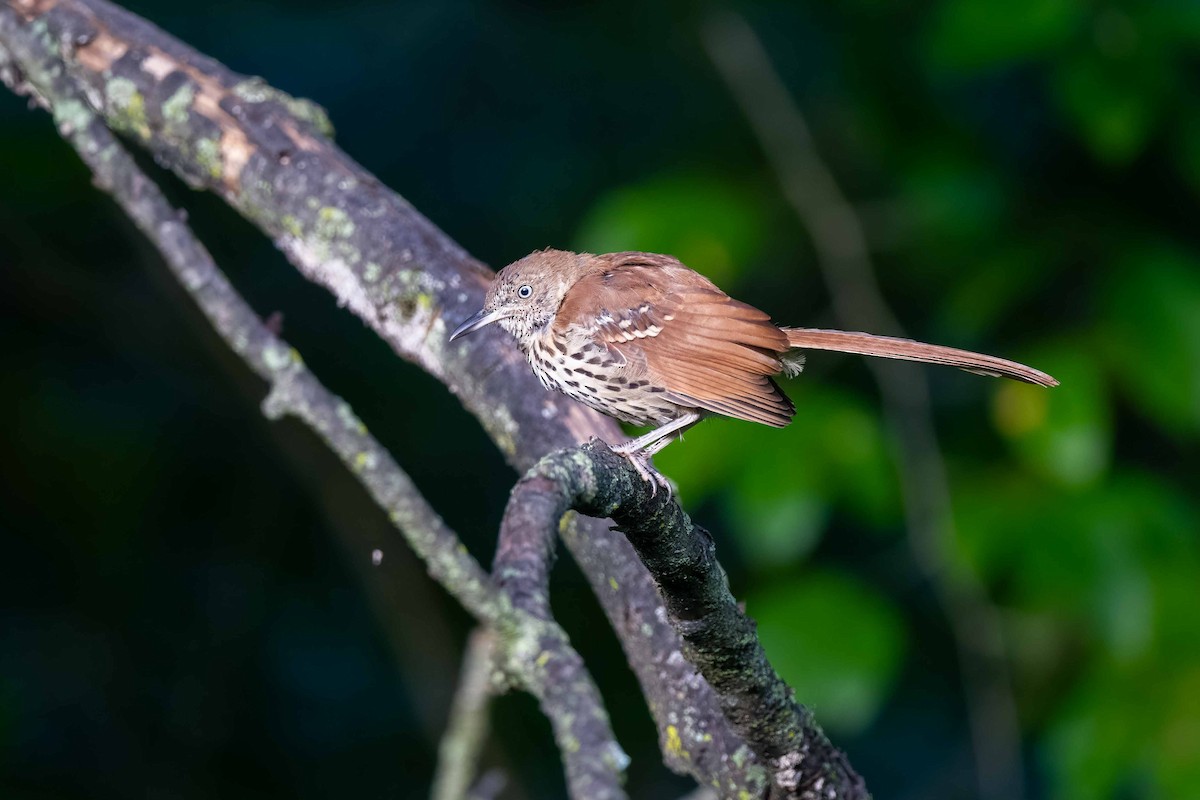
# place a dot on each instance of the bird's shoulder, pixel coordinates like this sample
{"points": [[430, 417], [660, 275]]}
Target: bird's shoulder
{"points": [[635, 288], [636, 291]]}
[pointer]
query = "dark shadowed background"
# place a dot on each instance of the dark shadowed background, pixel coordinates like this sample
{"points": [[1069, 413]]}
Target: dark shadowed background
{"points": [[188, 605]]}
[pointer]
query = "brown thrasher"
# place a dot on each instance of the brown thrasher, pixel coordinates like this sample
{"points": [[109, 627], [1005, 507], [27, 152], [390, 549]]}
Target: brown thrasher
{"points": [[640, 337]]}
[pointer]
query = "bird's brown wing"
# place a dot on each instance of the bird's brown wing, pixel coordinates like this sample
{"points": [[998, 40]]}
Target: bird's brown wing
{"points": [[705, 349]]}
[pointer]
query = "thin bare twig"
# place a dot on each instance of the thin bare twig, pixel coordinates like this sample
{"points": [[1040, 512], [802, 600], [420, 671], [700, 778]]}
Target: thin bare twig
{"points": [[489, 786], [467, 728], [845, 262]]}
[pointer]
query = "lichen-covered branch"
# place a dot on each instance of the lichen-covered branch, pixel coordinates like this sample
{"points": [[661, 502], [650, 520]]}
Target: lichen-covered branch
{"points": [[294, 389], [570, 699], [718, 638], [553, 672], [534, 651], [268, 155]]}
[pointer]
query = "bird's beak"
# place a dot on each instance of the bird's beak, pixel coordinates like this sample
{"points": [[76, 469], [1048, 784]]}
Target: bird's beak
{"points": [[476, 321]]}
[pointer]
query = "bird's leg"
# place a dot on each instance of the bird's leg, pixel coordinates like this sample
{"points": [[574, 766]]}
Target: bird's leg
{"points": [[640, 450], [653, 449], [658, 435]]}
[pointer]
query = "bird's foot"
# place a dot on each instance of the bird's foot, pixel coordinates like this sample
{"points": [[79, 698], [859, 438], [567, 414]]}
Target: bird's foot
{"points": [[641, 464]]}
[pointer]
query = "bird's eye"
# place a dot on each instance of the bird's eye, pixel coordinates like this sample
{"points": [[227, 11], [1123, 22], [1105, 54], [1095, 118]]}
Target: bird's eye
{"points": [[525, 292]]}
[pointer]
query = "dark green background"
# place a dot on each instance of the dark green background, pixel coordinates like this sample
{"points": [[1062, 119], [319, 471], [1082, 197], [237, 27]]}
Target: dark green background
{"points": [[187, 602]]}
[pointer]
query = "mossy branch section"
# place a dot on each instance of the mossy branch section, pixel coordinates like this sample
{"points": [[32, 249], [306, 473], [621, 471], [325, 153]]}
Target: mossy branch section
{"points": [[534, 652], [521, 569], [719, 639], [537, 650]]}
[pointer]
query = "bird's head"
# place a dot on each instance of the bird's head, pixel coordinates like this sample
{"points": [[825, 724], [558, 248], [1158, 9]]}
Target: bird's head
{"points": [[525, 295]]}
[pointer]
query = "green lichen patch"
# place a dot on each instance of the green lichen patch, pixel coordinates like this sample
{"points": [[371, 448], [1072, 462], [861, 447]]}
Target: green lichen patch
{"points": [[257, 90], [292, 225], [503, 429], [674, 745], [277, 357], [333, 223], [349, 419], [176, 107], [127, 107], [413, 291], [208, 157], [72, 115]]}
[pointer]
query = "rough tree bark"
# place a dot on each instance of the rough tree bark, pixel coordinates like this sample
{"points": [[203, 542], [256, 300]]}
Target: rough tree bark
{"points": [[269, 157]]}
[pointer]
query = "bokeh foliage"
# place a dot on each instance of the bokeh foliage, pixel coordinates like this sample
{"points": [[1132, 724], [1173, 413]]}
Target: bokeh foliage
{"points": [[1028, 172]]}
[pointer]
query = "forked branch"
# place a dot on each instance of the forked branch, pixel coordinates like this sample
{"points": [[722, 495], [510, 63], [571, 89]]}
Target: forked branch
{"points": [[718, 638]]}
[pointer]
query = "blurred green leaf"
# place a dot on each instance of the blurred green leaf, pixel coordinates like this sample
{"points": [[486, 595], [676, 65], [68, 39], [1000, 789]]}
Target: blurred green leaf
{"points": [[779, 484], [949, 195], [1175, 763], [1021, 535], [773, 528], [1064, 433], [990, 284], [711, 225], [776, 502], [1113, 104], [1118, 553], [1116, 564], [1128, 730], [1152, 334], [860, 468], [1123, 598], [1101, 745], [1185, 143], [835, 640], [979, 34]]}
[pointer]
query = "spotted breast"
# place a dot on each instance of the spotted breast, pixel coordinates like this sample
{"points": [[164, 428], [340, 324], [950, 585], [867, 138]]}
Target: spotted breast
{"points": [[572, 361]]}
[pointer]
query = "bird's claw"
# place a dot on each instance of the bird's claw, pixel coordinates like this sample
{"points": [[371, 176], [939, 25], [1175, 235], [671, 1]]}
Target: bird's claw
{"points": [[641, 464]]}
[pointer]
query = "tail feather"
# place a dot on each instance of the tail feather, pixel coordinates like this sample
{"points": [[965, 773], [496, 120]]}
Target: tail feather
{"points": [[907, 350]]}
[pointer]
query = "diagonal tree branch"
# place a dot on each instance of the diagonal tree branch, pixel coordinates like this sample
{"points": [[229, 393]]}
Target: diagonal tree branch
{"points": [[718, 638], [268, 156], [532, 648], [844, 258], [294, 390]]}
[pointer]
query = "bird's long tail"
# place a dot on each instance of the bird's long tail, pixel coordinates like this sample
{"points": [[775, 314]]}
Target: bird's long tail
{"points": [[907, 350]]}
